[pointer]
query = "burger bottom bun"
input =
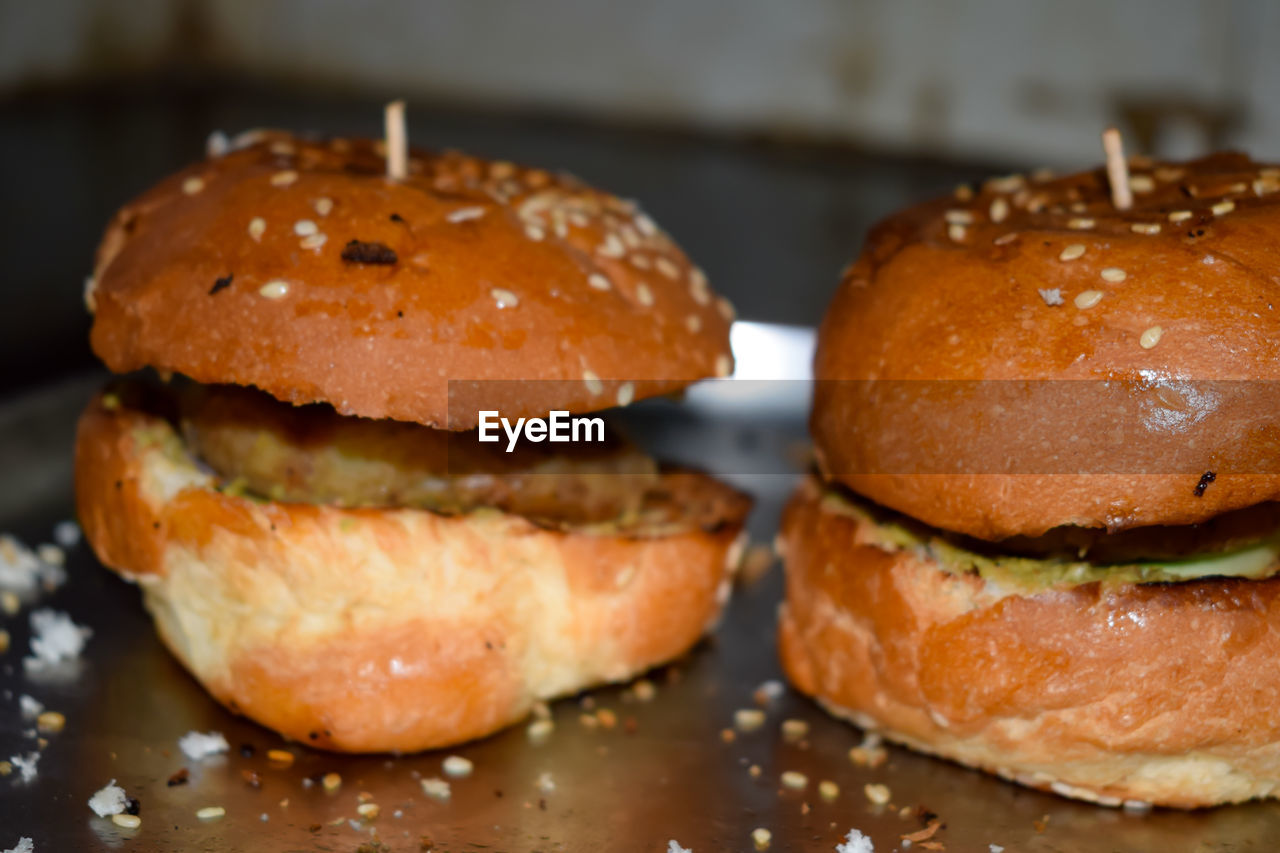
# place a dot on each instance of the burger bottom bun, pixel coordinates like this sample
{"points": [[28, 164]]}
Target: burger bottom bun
{"points": [[375, 629], [1163, 694]]}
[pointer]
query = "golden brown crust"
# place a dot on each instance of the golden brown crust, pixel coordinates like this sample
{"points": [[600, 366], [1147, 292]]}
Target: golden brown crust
{"points": [[1162, 693], [389, 629], [996, 299], [500, 273]]}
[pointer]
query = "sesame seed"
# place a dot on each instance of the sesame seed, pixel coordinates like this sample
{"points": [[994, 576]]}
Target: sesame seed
{"points": [[748, 719], [1238, 187], [211, 812], [1088, 298], [1270, 172], [1145, 227], [878, 794], [1115, 275], [540, 730], [1005, 239], [667, 267], [725, 307], [1223, 207], [1169, 173], [1078, 207], [646, 225], [331, 782], [828, 790], [761, 838], [1006, 184], [693, 323], [999, 210], [1080, 223], [193, 185], [501, 170], [50, 722], [611, 247], [126, 821], [593, 383], [698, 286], [282, 148], [640, 262], [794, 730], [956, 232], [275, 289], [436, 788], [598, 281], [579, 220], [644, 295], [533, 232], [1141, 183], [283, 179], [1071, 252], [457, 766], [1262, 186], [462, 214], [257, 226], [959, 217], [315, 241], [724, 365], [1179, 215], [629, 237], [305, 228], [323, 206], [964, 192], [504, 298], [1151, 337], [794, 779], [626, 393], [280, 756], [1044, 173]]}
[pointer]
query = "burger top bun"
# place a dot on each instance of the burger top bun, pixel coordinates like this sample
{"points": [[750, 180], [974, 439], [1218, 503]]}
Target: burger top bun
{"points": [[299, 267], [1044, 278]]}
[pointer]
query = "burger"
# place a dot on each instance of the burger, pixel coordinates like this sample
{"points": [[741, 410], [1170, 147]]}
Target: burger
{"points": [[1043, 532], [299, 483]]}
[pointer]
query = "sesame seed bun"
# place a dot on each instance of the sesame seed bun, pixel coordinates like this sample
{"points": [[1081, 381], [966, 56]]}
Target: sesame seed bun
{"points": [[1044, 279], [298, 267], [369, 629], [1157, 693]]}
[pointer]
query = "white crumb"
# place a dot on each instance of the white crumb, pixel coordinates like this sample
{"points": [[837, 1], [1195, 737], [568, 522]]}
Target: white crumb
{"points": [[436, 788], [25, 765], [22, 570], [995, 848], [24, 845], [31, 708], [673, 846], [198, 745], [109, 800], [66, 534], [1051, 296], [546, 784], [54, 639], [855, 842]]}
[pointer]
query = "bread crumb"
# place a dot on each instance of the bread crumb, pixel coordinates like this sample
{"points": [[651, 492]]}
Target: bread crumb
{"points": [[794, 730], [24, 845], [539, 731], [828, 790], [198, 745], [50, 722], [768, 691], [1051, 296], [995, 848], [761, 838], [794, 779], [280, 757], [55, 639], [368, 811], [855, 842], [546, 784], [29, 707], [66, 534], [109, 800], [644, 690], [673, 846], [331, 782], [25, 765]]}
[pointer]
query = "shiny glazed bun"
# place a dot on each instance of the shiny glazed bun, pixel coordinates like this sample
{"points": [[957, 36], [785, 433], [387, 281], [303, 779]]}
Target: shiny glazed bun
{"points": [[298, 267], [1044, 279]]}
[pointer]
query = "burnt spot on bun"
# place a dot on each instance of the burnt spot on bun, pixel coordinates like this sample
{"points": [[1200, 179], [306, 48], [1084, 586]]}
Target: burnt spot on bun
{"points": [[360, 252]]}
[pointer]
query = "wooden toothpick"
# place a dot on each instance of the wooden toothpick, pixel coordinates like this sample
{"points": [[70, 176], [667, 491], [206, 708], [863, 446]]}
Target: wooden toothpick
{"points": [[397, 141], [1117, 169]]}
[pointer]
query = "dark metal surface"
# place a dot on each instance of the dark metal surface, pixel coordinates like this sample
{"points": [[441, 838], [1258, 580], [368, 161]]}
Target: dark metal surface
{"points": [[667, 775]]}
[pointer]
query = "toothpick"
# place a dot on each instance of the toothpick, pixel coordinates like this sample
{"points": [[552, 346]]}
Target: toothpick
{"points": [[397, 141], [1117, 169]]}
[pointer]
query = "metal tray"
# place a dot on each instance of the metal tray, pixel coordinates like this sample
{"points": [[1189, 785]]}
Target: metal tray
{"points": [[665, 771]]}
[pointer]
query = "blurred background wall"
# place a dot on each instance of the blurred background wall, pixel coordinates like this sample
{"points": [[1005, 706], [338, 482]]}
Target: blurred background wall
{"points": [[1012, 80]]}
